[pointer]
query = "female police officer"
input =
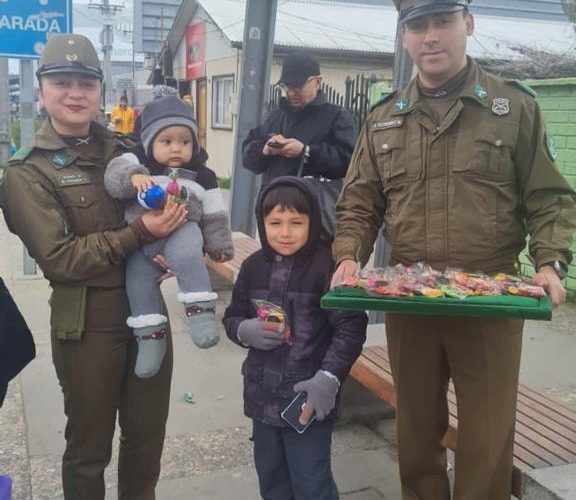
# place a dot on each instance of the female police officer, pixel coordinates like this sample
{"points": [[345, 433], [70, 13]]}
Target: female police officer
{"points": [[53, 197]]}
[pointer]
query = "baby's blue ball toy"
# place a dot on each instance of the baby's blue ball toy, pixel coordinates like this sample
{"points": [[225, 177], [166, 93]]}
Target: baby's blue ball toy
{"points": [[152, 198]]}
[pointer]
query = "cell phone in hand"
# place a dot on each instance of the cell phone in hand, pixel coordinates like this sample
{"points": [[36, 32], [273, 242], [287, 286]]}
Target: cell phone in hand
{"points": [[291, 413], [274, 145]]}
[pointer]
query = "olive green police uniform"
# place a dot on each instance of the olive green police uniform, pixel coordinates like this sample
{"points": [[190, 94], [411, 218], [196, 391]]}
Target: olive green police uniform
{"points": [[53, 197], [464, 191]]}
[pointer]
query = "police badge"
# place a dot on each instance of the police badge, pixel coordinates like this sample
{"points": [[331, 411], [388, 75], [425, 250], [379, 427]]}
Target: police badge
{"points": [[501, 106]]}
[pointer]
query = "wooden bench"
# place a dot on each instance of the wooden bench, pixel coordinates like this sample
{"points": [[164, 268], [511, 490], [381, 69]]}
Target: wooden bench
{"points": [[545, 428], [244, 246]]}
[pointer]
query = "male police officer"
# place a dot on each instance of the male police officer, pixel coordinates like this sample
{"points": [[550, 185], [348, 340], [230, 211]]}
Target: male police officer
{"points": [[459, 168], [53, 197]]}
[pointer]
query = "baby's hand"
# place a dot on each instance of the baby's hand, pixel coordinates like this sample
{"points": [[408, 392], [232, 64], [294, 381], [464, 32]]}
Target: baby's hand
{"points": [[142, 182]]}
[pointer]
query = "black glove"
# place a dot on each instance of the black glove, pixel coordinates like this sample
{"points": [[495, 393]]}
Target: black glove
{"points": [[263, 335], [321, 390]]}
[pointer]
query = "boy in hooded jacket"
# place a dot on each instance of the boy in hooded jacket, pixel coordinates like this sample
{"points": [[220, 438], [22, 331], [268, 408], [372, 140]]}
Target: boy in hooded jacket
{"points": [[293, 271]]}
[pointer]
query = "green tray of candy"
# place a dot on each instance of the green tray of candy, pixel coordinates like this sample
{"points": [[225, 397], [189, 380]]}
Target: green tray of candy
{"points": [[502, 306]]}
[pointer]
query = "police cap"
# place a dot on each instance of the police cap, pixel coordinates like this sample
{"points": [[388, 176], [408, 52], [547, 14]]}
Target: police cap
{"points": [[69, 53], [411, 9]]}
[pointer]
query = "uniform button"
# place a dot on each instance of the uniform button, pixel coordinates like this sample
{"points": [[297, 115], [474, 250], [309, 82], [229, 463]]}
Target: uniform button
{"points": [[82, 199], [498, 143], [384, 146]]}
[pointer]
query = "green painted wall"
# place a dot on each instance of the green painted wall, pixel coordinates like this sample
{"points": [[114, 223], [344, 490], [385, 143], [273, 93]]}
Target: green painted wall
{"points": [[557, 99]]}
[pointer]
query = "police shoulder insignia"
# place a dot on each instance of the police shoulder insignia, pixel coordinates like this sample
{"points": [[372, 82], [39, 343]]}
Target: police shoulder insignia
{"points": [[524, 87], [551, 146], [402, 104], [21, 154], [60, 159], [480, 92]]}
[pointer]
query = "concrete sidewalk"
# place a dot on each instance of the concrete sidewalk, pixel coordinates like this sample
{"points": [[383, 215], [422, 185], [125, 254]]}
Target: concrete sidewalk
{"points": [[208, 453]]}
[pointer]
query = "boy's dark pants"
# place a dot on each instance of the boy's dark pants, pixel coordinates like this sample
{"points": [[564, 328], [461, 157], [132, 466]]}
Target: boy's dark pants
{"points": [[98, 381], [294, 466], [482, 357]]}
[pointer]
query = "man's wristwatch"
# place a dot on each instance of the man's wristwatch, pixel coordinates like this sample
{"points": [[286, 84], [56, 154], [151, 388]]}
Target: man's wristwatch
{"points": [[559, 267]]}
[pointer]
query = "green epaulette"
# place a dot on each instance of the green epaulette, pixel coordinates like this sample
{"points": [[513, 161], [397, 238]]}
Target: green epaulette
{"points": [[20, 155], [524, 87], [386, 98]]}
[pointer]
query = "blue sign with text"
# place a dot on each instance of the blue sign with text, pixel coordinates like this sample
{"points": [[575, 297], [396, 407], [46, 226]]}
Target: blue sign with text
{"points": [[26, 25]]}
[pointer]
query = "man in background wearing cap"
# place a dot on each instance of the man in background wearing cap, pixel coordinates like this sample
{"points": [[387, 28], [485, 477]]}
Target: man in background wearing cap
{"points": [[305, 127], [459, 169], [53, 198]]}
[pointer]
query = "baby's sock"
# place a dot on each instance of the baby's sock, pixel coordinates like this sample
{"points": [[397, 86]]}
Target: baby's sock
{"points": [[203, 324], [151, 344]]}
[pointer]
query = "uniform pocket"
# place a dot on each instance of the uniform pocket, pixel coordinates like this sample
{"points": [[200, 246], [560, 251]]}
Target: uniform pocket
{"points": [[68, 311], [389, 147], [82, 208], [491, 152]]}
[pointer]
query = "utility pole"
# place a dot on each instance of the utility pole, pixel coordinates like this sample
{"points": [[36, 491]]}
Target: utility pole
{"points": [[257, 49], [107, 39], [4, 112], [127, 32], [161, 48], [27, 116]]}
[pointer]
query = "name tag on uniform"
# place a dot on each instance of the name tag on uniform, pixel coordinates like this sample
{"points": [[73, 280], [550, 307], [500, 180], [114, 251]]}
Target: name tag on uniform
{"points": [[395, 123], [73, 179]]}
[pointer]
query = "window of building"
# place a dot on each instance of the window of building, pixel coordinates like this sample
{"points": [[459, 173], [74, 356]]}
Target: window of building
{"points": [[222, 92]]}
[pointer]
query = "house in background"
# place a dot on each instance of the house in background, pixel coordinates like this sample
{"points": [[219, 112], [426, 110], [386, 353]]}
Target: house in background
{"points": [[202, 54]]}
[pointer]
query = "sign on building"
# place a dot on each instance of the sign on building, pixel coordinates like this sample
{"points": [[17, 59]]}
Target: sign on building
{"points": [[195, 50], [25, 25]]}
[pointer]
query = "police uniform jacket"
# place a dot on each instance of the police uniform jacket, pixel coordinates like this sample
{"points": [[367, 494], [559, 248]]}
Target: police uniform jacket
{"points": [[463, 193], [55, 201]]}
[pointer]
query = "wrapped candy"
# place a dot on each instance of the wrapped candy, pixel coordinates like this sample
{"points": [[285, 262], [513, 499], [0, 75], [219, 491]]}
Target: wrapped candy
{"points": [[158, 198], [268, 311], [421, 280], [177, 194], [513, 285]]}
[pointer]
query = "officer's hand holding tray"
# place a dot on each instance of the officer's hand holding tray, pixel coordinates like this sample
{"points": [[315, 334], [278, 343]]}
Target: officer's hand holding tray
{"points": [[419, 289]]}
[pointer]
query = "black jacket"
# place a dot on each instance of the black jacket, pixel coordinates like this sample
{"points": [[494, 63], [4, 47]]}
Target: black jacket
{"points": [[16, 343], [321, 339], [328, 129]]}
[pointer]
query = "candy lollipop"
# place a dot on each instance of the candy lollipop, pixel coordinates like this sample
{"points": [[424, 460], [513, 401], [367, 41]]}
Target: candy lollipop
{"points": [[177, 194]]}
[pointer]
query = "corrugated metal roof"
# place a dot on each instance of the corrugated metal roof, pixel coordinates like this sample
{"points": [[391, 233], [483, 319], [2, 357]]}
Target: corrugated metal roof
{"points": [[530, 9], [337, 25]]}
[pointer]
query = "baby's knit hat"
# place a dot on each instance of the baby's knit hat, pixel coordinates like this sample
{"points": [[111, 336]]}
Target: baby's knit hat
{"points": [[162, 113]]}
